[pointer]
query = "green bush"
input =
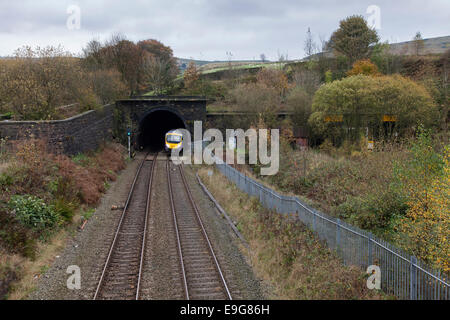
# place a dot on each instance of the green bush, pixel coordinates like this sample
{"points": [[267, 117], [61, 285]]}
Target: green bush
{"points": [[379, 210], [81, 159], [211, 90], [7, 115], [416, 174], [360, 102], [65, 210], [88, 214], [350, 208], [33, 212], [6, 180]]}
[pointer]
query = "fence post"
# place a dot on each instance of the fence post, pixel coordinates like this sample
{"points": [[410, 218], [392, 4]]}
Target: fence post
{"points": [[370, 254], [338, 235], [412, 279]]}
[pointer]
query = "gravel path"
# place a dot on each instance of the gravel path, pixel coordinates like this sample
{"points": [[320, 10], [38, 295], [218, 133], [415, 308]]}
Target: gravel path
{"points": [[161, 278]]}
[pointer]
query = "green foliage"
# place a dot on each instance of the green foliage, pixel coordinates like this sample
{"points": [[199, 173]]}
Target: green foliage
{"points": [[260, 101], [6, 116], [64, 209], [210, 89], [424, 183], [6, 180], [362, 101], [33, 212], [81, 159], [327, 147], [328, 76], [353, 38], [424, 165], [299, 102], [386, 62], [375, 212], [418, 43], [88, 214]]}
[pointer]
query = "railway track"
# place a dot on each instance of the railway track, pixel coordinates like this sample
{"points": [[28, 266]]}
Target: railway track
{"points": [[201, 274], [121, 275]]}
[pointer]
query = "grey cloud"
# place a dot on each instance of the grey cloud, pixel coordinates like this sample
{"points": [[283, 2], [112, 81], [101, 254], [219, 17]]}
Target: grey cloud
{"points": [[206, 29]]}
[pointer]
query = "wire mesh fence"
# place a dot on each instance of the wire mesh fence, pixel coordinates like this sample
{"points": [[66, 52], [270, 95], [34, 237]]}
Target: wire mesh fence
{"points": [[402, 275]]}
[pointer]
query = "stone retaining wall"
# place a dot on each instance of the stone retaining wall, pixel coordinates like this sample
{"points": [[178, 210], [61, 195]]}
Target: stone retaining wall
{"points": [[70, 136]]}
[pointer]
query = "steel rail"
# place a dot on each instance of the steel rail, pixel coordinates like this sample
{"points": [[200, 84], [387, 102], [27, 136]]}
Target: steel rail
{"points": [[112, 247], [205, 235], [147, 212], [172, 206]]}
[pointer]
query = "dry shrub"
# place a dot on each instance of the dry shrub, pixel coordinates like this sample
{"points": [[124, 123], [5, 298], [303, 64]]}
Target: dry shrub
{"points": [[61, 183], [32, 153], [14, 237], [89, 182], [110, 160], [82, 181], [29, 170]]}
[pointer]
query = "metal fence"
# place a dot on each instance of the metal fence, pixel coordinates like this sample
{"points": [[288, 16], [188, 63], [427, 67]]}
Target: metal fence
{"points": [[402, 275]]}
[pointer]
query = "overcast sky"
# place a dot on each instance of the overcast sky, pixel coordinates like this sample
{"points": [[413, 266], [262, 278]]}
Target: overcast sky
{"points": [[207, 29]]}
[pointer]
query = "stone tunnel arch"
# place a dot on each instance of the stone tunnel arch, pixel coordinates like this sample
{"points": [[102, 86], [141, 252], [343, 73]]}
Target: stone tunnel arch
{"points": [[154, 125]]}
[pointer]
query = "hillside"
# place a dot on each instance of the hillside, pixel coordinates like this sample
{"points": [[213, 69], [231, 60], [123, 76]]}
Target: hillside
{"points": [[430, 46], [207, 65], [436, 45]]}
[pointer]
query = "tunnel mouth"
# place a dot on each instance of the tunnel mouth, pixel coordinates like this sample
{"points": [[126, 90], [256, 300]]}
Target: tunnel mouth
{"points": [[154, 127]]}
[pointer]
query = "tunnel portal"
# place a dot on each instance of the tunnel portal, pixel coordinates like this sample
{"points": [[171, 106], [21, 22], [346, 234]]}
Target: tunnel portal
{"points": [[154, 126]]}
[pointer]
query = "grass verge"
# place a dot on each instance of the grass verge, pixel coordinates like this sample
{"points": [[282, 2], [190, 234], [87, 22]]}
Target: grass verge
{"points": [[284, 253]]}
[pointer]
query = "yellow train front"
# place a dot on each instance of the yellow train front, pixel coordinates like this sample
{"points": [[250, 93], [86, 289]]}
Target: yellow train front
{"points": [[173, 141]]}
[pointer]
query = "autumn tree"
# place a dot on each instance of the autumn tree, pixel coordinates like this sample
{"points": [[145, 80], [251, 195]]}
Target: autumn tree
{"points": [[191, 75], [157, 49], [307, 79], [418, 43], [273, 78], [3, 89], [353, 38], [147, 64], [259, 101], [299, 103], [107, 85], [159, 60], [126, 57], [39, 80], [365, 67], [93, 57], [158, 73], [423, 180], [103, 76]]}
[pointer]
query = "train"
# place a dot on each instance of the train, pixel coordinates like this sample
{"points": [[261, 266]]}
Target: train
{"points": [[173, 140]]}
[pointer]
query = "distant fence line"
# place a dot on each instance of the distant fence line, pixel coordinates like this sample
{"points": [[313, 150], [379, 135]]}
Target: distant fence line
{"points": [[402, 275]]}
